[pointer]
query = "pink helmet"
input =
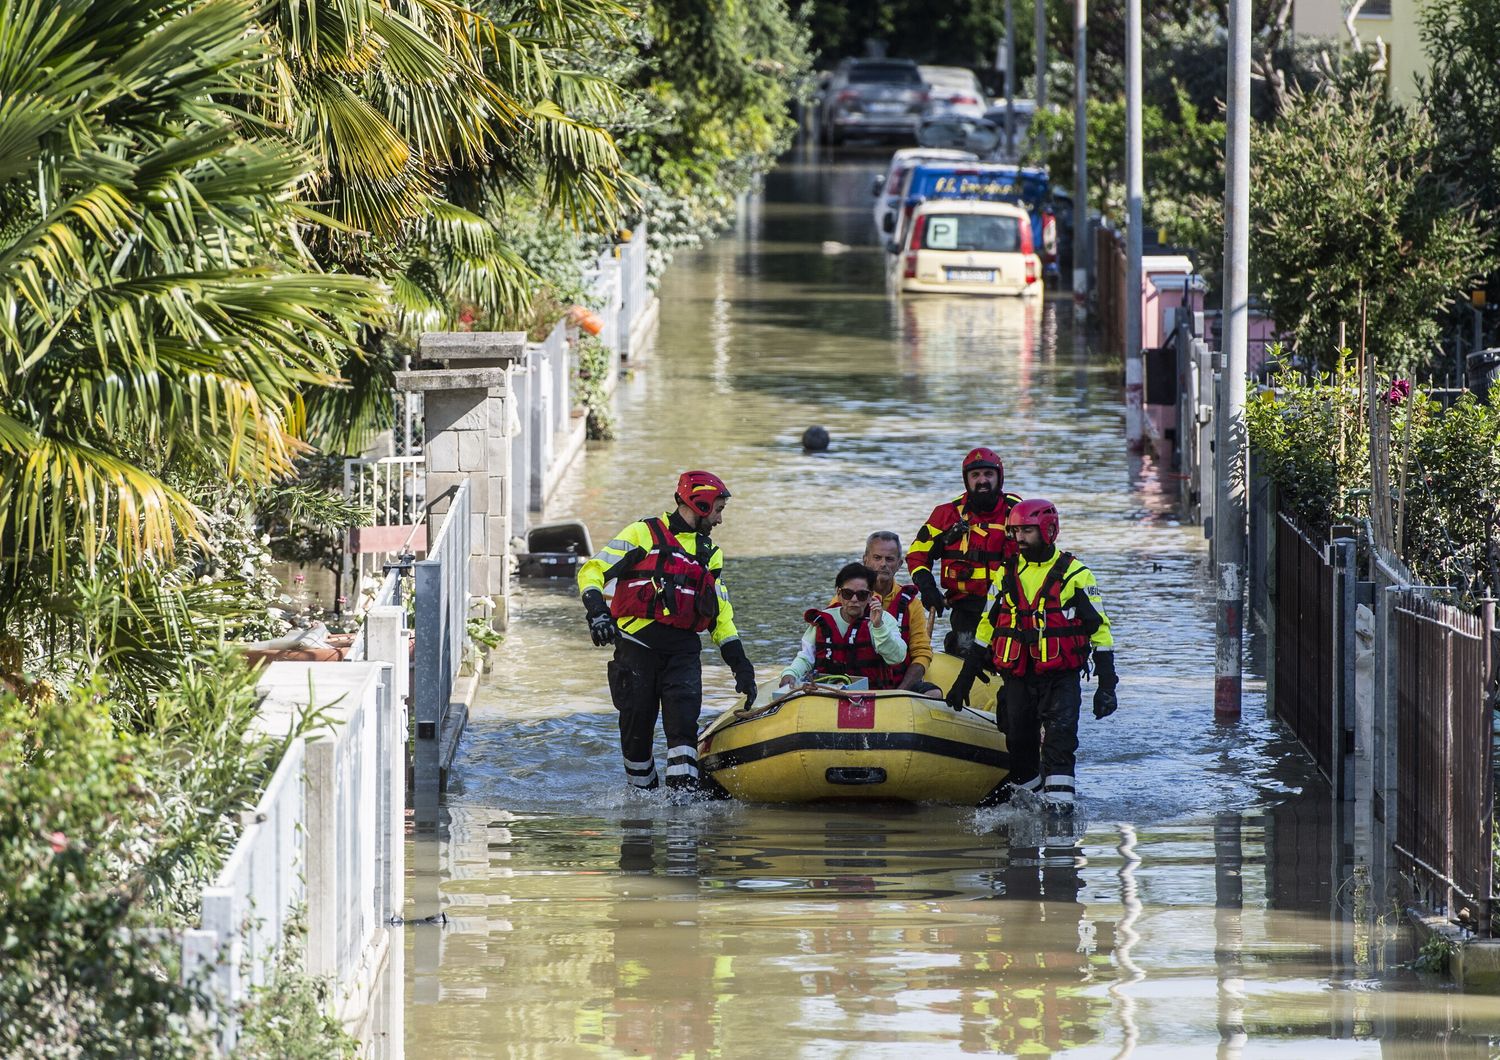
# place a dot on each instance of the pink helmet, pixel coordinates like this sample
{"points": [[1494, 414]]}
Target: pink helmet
{"points": [[1036, 512]]}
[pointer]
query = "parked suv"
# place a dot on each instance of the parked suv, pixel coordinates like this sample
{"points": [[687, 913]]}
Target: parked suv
{"points": [[873, 97]]}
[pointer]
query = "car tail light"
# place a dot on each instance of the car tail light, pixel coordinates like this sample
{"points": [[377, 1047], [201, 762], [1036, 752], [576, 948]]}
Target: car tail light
{"points": [[848, 95], [963, 100], [917, 232], [1026, 243], [1030, 271]]}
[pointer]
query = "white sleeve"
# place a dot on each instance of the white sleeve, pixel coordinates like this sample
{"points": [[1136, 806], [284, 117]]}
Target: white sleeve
{"points": [[802, 665], [888, 640]]}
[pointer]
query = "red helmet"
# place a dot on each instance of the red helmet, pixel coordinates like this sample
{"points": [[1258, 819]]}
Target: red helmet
{"points": [[1037, 512], [699, 489], [982, 457]]}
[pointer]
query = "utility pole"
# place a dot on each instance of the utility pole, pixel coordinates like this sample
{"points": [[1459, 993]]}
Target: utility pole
{"points": [[1041, 54], [1080, 153], [1135, 430], [1010, 80], [1229, 504]]}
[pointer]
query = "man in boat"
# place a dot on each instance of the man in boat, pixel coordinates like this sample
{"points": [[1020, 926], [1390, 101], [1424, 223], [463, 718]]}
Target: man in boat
{"points": [[961, 545], [668, 589], [903, 603], [855, 638], [1044, 618]]}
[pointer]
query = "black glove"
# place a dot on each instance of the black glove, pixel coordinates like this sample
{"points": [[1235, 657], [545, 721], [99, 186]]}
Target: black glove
{"points": [[978, 656], [1105, 700], [601, 623], [744, 674], [963, 684], [932, 596]]}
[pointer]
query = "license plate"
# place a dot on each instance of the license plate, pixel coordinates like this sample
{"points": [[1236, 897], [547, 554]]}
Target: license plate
{"points": [[972, 275], [887, 108]]}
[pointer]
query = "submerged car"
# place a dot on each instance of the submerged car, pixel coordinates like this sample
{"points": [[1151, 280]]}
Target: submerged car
{"points": [[952, 90], [1027, 186], [873, 97], [887, 189], [968, 246]]}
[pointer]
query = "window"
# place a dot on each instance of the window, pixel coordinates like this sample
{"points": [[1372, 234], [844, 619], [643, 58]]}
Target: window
{"points": [[980, 233], [1376, 9]]}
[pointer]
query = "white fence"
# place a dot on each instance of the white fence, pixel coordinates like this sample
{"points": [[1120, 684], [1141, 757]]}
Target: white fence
{"points": [[326, 838]]}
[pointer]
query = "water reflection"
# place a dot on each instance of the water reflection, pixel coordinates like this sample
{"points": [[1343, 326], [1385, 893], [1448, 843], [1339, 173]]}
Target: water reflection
{"points": [[1206, 902]]}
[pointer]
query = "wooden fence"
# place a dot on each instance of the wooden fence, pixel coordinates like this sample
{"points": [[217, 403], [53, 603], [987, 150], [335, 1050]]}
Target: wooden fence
{"points": [[1302, 695]]}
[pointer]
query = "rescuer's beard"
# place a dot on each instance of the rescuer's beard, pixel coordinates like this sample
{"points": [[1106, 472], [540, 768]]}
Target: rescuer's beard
{"points": [[1037, 553], [984, 498]]}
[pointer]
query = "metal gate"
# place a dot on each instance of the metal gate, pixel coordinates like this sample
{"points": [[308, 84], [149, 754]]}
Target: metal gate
{"points": [[1303, 695], [1445, 778]]}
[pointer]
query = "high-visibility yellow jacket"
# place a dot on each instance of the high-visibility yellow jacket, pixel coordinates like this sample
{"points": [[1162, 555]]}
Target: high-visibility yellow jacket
{"points": [[629, 546], [1078, 578]]}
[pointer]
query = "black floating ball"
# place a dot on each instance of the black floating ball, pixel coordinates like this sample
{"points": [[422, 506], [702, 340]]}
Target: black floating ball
{"points": [[815, 439]]}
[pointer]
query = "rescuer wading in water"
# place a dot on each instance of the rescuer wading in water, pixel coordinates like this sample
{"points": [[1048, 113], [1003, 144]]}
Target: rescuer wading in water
{"points": [[965, 538], [667, 590], [1043, 618]]}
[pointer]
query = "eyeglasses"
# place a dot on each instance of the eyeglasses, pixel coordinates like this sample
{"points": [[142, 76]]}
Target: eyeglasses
{"points": [[854, 594]]}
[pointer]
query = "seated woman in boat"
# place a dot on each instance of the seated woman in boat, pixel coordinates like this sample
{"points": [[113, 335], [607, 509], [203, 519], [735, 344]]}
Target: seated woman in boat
{"points": [[854, 639]]}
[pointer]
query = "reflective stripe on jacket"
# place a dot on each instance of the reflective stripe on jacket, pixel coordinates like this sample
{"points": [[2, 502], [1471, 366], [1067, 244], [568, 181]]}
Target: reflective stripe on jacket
{"points": [[636, 541], [970, 556], [1043, 617]]}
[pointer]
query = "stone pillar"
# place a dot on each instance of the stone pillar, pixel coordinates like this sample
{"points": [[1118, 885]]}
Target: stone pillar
{"points": [[467, 429]]}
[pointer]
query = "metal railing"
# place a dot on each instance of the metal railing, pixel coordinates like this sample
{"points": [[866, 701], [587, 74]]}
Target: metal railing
{"points": [[1445, 758], [635, 291], [442, 611], [395, 489]]}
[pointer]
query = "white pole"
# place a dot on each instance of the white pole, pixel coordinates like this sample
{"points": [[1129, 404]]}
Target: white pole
{"points": [[1080, 152], [1135, 434], [1229, 506], [1010, 81], [1040, 19]]}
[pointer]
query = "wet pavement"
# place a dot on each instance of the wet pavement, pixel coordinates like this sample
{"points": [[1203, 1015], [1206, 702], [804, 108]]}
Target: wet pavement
{"points": [[1205, 900]]}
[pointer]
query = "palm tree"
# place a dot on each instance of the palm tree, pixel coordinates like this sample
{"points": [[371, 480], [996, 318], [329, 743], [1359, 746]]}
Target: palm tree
{"points": [[157, 308], [421, 116]]}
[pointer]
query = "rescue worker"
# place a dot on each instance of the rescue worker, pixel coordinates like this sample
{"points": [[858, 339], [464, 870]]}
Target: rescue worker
{"points": [[1044, 616], [668, 589], [855, 639], [903, 603], [967, 537]]}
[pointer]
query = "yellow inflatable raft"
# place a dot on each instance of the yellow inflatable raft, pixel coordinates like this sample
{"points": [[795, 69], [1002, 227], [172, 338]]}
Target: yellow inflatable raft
{"points": [[827, 743]]}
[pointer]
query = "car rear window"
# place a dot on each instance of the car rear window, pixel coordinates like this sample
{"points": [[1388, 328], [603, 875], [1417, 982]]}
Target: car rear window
{"points": [[984, 233], [884, 73]]}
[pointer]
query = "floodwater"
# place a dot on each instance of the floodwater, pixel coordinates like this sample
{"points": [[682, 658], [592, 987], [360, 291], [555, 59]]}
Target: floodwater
{"points": [[1205, 901]]}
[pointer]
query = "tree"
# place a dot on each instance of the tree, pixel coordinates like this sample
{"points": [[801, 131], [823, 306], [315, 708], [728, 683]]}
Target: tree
{"points": [[1351, 222], [157, 308]]}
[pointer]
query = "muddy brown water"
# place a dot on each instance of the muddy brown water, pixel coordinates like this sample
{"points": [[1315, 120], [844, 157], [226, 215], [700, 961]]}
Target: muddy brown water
{"points": [[1203, 903]]}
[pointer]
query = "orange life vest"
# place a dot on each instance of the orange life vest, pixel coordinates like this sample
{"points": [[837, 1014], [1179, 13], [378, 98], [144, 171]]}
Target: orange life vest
{"points": [[668, 584], [1037, 636]]}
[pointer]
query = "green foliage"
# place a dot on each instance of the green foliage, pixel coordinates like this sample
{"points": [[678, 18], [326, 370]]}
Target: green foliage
{"points": [[304, 519], [588, 387], [73, 802], [1314, 443], [1462, 96], [1350, 223], [717, 78], [113, 816], [1313, 439], [289, 1018], [1436, 955]]}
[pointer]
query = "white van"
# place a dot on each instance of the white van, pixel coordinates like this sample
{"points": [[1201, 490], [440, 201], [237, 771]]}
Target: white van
{"points": [[967, 246]]}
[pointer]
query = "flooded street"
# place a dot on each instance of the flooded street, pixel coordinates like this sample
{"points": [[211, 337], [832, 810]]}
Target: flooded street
{"points": [[1204, 902]]}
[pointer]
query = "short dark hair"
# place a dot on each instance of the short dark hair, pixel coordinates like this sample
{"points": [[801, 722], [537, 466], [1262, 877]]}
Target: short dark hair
{"points": [[853, 570]]}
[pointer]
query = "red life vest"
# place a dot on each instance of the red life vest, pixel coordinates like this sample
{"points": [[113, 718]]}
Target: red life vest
{"points": [[668, 584], [1037, 636], [969, 564], [851, 652]]}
